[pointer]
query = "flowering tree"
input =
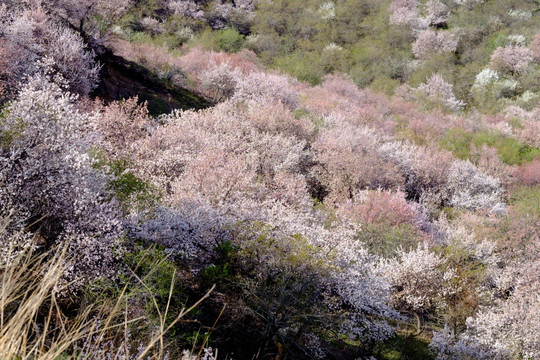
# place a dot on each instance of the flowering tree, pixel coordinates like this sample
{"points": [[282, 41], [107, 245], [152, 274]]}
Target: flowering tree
{"points": [[530, 173], [186, 8], [506, 330], [419, 281], [261, 86], [121, 124], [218, 82], [348, 165], [430, 42], [471, 189], [48, 182], [436, 13], [6, 61], [535, 47], [404, 12], [32, 35], [437, 92], [381, 207], [511, 58], [80, 12]]}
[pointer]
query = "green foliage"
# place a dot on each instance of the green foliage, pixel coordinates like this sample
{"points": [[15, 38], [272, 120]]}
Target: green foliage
{"points": [[470, 273], [527, 200], [157, 272], [305, 66], [228, 40], [278, 281], [125, 183], [220, 271], [405, 347], [7, 136], [169, 41], [156, 104], [131, 191], [384, 85], [458, 141], [499, 39], [373, 58], [147, 274], [442, 64], [386, 240], [510, 151]]}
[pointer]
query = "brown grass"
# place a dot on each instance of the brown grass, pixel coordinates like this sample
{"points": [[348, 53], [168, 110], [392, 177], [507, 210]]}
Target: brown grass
{"points": [[34, 326]]}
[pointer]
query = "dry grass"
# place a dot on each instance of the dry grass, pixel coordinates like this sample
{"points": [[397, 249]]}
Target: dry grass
{"points": [[34, 326]]}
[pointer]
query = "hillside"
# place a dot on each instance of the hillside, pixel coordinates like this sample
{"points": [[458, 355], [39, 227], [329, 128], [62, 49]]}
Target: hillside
{"points": [[269, 179]]}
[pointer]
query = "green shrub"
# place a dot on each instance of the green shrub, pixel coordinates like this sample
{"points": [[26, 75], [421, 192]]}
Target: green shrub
{"points": [[510, 151], [405, 346], [302, 65], [385, 240], [384, 85], [157, 271], [221, 270], [458, 141], [229, 40], [527, 200]]}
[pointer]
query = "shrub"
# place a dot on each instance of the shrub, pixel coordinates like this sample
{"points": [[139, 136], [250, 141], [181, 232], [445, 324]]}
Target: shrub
{"points": [[229, 40], [468, 188], [509, 150], [381, 207], [302, 65], [511, 58], [386, 241], [48, 182], [430, 42], [284, 289], [437, 92], [34, 36], [530, 173], [458, 141], [347, 166]]}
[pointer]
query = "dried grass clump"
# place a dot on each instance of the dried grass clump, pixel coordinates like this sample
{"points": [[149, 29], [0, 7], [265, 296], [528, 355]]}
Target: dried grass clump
{"points": [[34, 323]]}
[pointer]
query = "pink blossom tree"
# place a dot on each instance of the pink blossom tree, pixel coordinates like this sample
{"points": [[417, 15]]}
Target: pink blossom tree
{"points": [[511, 58], [535, 48], [348, 164], [436, 13], [121, 124], [430, 42], [404, 12]]}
